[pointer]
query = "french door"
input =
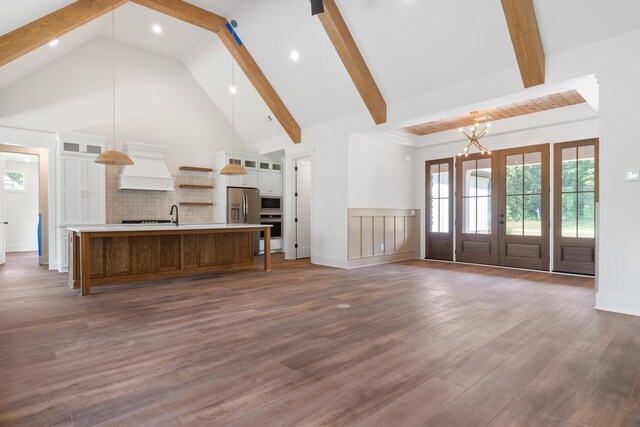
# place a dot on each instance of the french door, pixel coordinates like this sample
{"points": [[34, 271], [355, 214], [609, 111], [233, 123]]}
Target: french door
{"points": [[575, 198], [502, 215], [439, 185]]}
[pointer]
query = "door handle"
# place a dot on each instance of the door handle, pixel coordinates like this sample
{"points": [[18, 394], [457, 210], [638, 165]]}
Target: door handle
{"points": [[6, 223]]}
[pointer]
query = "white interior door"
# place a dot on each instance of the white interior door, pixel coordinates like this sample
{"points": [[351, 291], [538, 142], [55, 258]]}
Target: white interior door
{"points": [[2, 218], [303, 209]]}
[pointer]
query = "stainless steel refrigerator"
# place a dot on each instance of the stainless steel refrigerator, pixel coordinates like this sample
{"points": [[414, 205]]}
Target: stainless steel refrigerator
{"points": [[243, 207]]}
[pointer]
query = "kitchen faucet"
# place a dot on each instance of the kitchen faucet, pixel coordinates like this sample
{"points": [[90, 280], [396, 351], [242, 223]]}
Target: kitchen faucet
{"points": [[177, 221]]}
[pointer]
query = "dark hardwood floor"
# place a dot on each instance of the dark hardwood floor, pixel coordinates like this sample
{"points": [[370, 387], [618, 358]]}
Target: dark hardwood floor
{"points": [[424, 343]]}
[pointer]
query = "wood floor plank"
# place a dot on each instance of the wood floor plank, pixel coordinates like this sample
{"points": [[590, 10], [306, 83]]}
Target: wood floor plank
{"points": [[423, 343]]}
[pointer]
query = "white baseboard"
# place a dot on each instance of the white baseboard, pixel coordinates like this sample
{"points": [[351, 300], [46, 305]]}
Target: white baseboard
{"points": [[618, 303], [21, 248], [382, 259], [329, 261]]}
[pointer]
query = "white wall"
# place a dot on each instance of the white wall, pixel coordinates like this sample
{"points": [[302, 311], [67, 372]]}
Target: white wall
{"points": [[158, 101], [21, 208], [327, 144], [379, 175]]}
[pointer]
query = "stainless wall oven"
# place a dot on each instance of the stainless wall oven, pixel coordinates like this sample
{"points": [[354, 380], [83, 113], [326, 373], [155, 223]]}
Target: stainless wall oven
{"points": [[275, 220]]}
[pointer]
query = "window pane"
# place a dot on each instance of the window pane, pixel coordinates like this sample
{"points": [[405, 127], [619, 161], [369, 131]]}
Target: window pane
{"points": [[569, 169], [533, 173], [569, 220], [435, 215], [514, 174], [586, 215], [484, 215], [484, 177], [14, 180], [435, 180], [444, 215], [469, 215], [469, 178], [586, 168], [514, 216], [533, 215]]}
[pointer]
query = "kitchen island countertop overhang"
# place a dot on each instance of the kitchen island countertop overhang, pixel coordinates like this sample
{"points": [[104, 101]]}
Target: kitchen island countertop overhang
{"points": [[114, 253]]}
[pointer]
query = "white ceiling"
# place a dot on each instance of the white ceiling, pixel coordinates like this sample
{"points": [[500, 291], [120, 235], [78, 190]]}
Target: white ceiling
{"points": [[411, 46], [568, 24]]}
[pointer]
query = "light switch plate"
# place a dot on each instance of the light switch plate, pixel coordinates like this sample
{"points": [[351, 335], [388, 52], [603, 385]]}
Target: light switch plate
{"points": [[632, 175]]}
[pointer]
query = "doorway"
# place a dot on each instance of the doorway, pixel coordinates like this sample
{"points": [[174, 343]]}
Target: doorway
{"points": [[39, 159], [302, 218], [19, 201], [503, 208]]}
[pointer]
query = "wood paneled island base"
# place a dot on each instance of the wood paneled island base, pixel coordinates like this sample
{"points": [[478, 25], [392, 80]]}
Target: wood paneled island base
{"points": [[109, 255]]}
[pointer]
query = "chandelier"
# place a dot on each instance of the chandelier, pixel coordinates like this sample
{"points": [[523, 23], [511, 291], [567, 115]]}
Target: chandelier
{"points": [[476, 134]]}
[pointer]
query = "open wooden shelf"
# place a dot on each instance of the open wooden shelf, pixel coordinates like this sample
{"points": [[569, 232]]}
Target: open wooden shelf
{"points": [[195, 169], [195, 204], [196, 187]]}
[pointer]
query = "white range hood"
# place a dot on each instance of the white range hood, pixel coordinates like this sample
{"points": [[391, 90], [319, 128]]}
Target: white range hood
{"points": [[149, 170]]}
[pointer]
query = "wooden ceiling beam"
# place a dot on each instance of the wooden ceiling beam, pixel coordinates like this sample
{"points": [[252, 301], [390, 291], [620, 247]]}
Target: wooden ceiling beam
{"points": [[262, 85], [186, 12], [351, 57], [525, 37], [41, 31]]}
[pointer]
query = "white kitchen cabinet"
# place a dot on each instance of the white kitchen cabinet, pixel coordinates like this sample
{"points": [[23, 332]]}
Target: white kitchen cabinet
{"points": [[81, 188], [250, 180], [270, 183]]}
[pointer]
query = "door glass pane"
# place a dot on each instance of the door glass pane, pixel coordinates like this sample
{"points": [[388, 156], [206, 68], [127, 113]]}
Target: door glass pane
{"points": [[569, 169], [514, 216], [435, 181], [484, 215], [444, 215], [532, 215], [469, 178], [586, 215], [514, 174], [435, 216], [569, 220], [484, 177], [469, 215], [533, 173], [586, 168]]}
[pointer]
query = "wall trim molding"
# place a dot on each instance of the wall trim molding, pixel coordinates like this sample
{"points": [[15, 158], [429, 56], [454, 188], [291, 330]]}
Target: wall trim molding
{"points": [[329, 261], [382, 259]]}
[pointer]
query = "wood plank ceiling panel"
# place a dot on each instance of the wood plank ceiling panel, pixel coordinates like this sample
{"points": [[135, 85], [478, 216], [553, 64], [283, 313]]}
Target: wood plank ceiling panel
{"points": [[530, 106]]}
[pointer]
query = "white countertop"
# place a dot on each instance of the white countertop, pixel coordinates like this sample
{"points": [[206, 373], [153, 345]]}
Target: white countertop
{"points": [[106, 228]]}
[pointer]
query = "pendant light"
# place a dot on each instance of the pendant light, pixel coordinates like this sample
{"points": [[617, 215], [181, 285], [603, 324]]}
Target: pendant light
{"points": [[114, 157], [474, 138], [233, 169]]}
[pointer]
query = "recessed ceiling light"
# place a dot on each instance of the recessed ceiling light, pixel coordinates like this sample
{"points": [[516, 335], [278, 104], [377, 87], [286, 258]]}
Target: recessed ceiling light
{"points": [[295, 56], [54, 42], [233, 90], [157, 29]]}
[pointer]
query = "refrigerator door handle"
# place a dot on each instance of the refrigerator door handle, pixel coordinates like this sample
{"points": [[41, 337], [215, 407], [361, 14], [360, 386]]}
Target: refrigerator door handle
{"points": [[244, 207]]}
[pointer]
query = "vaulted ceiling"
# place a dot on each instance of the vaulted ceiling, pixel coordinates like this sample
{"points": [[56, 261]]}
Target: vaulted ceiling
{"points": [[412, 47]]}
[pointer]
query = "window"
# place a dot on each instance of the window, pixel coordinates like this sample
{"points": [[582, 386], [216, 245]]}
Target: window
{"points": [[14, 181], [578, 191]]}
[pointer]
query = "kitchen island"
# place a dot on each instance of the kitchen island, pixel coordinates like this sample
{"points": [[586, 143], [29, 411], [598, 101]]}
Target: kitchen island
{"points": [[115, 254]]}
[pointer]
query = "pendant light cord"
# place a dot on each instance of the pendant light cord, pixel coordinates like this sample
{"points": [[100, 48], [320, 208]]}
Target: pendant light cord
{"points": [[113, 68]]}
